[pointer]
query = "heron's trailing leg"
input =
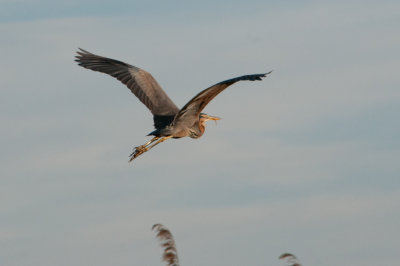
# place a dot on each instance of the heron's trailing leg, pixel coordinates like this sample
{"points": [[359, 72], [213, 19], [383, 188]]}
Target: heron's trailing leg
{"points": [[141, 149], [149, 142], [145, 147], [159, 141]]}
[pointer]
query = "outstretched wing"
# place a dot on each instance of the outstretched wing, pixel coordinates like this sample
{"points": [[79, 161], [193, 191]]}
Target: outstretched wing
{"points": [[197, 104], [139, 81]]}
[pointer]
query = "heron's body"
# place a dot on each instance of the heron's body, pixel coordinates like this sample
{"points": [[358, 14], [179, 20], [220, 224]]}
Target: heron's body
{"points": [[189, 128], [169, 120]]}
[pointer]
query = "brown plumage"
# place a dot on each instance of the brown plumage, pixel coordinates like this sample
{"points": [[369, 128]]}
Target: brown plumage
{"points": [[169, 120], [170, 254]]}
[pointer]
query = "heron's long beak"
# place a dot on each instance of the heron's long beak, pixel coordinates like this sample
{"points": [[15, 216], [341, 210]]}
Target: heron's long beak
{"points": [[213, 118]]}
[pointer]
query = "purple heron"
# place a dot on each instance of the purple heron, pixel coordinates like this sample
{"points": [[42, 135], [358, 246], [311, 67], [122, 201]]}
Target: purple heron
{"points": [[169, 120]]}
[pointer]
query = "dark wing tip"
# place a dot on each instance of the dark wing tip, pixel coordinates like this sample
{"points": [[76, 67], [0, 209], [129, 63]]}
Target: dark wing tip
{"points": [[251, 77], [259, 76], [265, 74], [81, 53]]}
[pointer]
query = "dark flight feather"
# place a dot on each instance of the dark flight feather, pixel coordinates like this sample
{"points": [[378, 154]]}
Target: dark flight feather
{"points": [[199, 102], [139, 81]]}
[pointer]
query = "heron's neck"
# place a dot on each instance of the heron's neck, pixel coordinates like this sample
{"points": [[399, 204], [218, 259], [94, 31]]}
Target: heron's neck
{"points": [[197, 132], [202, 127]]}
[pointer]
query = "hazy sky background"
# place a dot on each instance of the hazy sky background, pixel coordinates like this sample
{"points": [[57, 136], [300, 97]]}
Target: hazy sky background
{"points": [[306, 161]]}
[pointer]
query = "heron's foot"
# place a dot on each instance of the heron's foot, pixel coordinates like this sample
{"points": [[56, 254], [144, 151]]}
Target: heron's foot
{"points": [[135, 154], [138, 151], [141, 148], [145, 147]]}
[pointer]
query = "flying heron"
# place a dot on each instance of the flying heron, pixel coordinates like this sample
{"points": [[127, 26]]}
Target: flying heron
{"points": [[169, 120]]}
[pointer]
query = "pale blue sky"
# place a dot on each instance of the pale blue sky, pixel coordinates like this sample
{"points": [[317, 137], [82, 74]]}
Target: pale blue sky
{"points": [[306, 161]]}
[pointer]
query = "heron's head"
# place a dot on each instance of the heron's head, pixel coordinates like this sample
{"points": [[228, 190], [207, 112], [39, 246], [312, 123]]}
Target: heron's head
{"points": [[205, 117]]}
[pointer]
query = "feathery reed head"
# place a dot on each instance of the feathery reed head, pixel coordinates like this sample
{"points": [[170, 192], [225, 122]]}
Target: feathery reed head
{"points": [[290, 259], [170, 255]]}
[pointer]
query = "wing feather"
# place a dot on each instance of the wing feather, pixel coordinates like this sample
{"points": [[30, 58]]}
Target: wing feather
{"points": [[199, 102], [139, 81]]}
